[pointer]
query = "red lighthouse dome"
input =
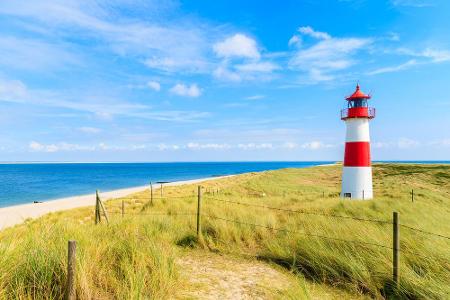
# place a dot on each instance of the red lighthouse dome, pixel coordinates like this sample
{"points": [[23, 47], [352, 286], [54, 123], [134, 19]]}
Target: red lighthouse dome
{"points": [[358, 94], [358, 106]]}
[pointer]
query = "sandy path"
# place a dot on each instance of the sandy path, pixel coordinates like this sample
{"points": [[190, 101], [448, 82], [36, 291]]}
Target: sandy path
{"points": [[213, 276], [12, 215]]}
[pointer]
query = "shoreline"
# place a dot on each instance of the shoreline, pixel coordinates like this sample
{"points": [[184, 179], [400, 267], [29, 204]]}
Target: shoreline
{"points": [[17, 214]]}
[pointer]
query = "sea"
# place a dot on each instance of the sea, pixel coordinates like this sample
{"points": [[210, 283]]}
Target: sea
{"points": [[22, 183]]}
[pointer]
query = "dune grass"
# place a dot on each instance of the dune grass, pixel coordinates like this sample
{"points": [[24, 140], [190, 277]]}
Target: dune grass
{"points": [[134, 256]]}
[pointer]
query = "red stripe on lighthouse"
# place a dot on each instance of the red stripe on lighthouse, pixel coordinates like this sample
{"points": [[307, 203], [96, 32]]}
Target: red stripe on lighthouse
{"points": [[357, 154]]}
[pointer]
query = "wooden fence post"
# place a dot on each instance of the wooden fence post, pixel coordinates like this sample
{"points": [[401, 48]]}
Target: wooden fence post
{"points": [[412, 195], [396, 248], [151, 193], [71, 269], [97, 208], [363, 195], [199, 200], [123, 208], [104, 210], [161, 190]]}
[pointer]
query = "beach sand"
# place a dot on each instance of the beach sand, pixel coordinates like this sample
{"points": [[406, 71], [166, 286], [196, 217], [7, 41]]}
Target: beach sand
{"points": [[12, 215]]}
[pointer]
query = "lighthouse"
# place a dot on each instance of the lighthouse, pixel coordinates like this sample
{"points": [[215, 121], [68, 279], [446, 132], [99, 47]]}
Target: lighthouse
{"points": [[357, 169]]}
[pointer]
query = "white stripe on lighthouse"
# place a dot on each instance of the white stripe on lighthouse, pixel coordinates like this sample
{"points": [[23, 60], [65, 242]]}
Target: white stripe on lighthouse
{"points": [[358, 182], [357, 130]]}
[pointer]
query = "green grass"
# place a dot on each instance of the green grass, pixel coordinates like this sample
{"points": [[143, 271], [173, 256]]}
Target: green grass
{"points": [[134, 257]]}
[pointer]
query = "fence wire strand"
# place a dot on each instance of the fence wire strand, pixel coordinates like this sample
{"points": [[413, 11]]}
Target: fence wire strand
{"points": [[152, 214], [298, 232], [301, 211], [425, 232]]}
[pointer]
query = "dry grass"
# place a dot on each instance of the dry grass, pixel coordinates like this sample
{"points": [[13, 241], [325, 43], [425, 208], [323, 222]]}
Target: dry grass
{"points": [[134, 257]]}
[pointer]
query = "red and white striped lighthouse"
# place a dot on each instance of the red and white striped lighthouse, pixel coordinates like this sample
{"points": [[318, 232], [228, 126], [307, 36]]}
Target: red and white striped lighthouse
{"points": [[357, 170]]}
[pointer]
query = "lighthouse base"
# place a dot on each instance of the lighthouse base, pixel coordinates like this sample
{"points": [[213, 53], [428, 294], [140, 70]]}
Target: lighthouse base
{"points": [[357, 183]]}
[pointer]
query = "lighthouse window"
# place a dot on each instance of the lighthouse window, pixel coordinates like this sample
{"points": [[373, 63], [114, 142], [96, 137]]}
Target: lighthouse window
{"points": [[358, 103]]}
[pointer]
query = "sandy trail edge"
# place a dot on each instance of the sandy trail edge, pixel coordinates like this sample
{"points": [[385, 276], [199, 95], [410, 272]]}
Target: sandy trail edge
{"points": [[13, 215]]}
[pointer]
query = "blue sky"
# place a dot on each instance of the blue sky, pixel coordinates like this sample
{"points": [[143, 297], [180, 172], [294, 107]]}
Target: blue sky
{"points": [[142, 80]]}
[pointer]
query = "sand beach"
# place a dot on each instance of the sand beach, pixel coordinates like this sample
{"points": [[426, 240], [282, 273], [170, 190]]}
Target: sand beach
{"points": [[13, 215]]}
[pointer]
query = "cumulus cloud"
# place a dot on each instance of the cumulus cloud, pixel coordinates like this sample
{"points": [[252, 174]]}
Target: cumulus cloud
{"points": [[186, 90], [308, 30], [241, 60], [154, 85], [238, 45]]}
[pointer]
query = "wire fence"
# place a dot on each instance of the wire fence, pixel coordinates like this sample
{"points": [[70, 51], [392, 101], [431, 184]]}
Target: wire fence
{"points": [[149, 202], [207, 197]]}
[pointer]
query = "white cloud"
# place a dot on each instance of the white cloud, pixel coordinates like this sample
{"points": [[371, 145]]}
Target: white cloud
{"points": [[261, 71], [262, 67], [316, 145], [223, 73], [12, 90], [436, 55], [185, 90], [167, 46], [295, 40], [241, 60], [214, 146], [397, 68], [51, 148], [412, 3], [103, 107], [432, 55], [68, 147], [255, 97], [164, 147], [15, 53], [253, 146], [426, 56], [401, 143], [307, 30], [289, 145], [238, 45], [154, 85], [327, 56]]}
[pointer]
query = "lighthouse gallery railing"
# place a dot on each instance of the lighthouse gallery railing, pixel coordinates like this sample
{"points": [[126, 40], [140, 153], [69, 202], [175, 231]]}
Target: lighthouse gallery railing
{"points": [[358, 112]]}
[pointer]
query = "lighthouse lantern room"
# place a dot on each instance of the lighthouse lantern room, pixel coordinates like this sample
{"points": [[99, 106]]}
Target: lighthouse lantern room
{"points": [[357, 169]]}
